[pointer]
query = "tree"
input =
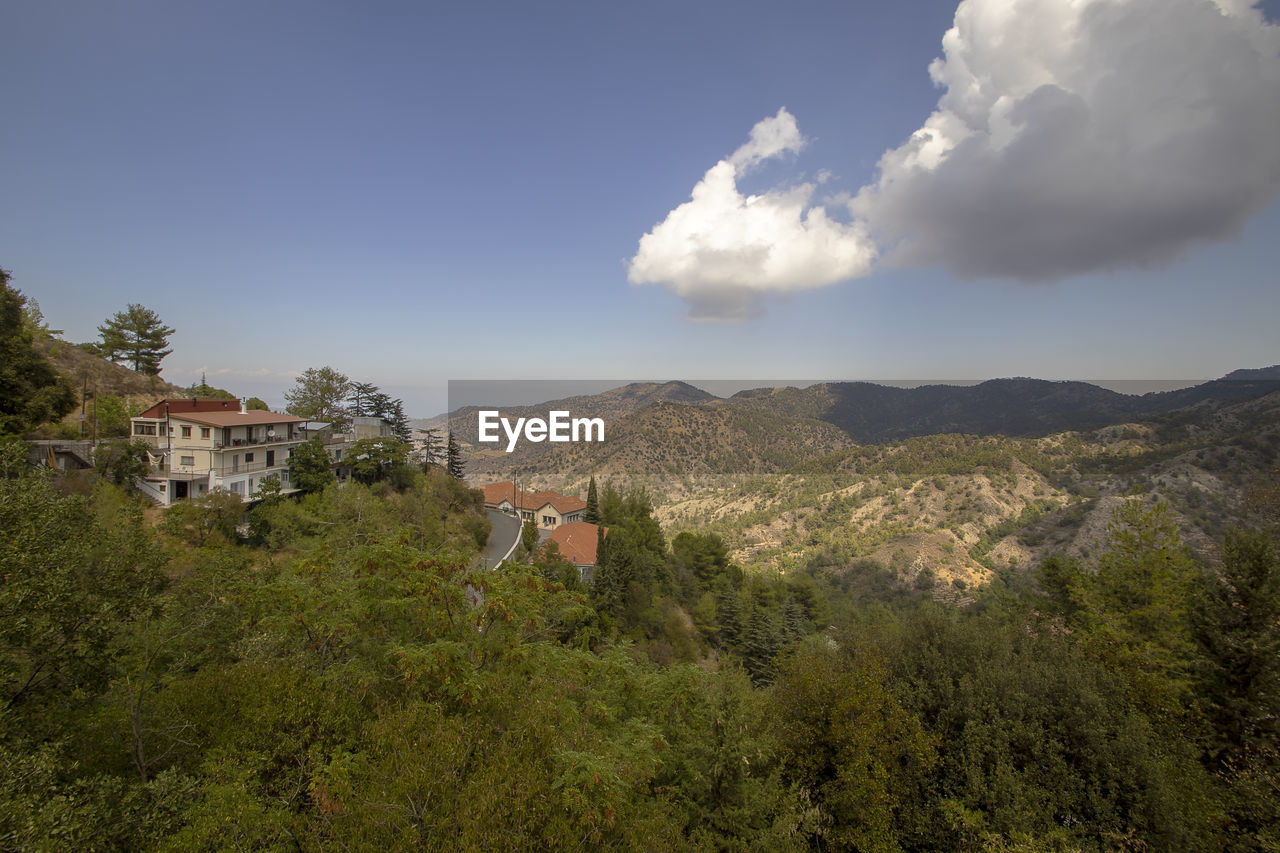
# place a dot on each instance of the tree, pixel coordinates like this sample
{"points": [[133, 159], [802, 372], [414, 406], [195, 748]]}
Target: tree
{"points": [[1136, 602], [399, 422], [360, 399], [72, 572], [432, 453], [31, 389], [207, 391], [529, 536], [210, 518], [309, 467], [1237, 625], [453, 457], [592, 515], [374, 459], [121, 461], [255, 404], [113, 412], [138, 336], [318, 395], [366, 400]]}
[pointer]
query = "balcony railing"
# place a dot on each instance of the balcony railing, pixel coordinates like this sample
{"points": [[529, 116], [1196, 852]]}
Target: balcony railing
{"points": [[263, 439], [199, 472]]}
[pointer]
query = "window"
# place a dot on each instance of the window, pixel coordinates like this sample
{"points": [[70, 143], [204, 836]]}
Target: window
{"points": [[237, 488], [204, 432], [548, 521], [187, 461], [248, 457], [186, 432], [144, 429]]}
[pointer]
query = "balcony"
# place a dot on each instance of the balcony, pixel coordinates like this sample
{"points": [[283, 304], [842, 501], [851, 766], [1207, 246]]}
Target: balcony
{"points": [[257, 440], [196, 472]]}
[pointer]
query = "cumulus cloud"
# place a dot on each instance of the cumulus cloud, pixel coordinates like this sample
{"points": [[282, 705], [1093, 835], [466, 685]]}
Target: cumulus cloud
{"points": [[722, 250], [1070, 137], [1078, 136]]}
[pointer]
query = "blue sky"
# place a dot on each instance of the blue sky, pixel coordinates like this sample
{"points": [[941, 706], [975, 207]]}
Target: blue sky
{"points": [[414, 192]]}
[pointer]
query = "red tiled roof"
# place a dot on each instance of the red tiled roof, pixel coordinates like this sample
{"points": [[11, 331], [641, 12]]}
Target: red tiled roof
{"points": [[577, 542], [564, 504], [496, 493], [191, 404]]}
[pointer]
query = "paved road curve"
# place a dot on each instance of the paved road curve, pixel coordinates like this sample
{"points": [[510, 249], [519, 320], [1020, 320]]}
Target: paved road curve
{"points": [[506, 532]]}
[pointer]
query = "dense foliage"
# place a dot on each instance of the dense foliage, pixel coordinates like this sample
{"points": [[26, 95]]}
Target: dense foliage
{"points": [[31, 389], [340, 673]]}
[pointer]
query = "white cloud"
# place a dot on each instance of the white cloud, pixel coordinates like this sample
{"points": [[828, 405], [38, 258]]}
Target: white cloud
{"points": [[771, 137], [1071, 136], [1082, 135], [721, 250]]}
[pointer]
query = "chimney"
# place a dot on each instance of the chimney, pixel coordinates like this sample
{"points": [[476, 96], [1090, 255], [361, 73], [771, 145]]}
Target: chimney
{"points": [[244, 406]]}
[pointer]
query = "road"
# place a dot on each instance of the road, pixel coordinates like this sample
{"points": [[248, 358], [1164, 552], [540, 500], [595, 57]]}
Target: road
{"points": [[505, 535]]}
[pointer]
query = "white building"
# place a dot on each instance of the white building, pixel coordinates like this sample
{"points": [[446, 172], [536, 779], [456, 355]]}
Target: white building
{"points": [[200, 444]]}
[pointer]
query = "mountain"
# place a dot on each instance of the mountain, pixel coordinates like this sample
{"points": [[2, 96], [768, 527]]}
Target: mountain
{"points": [[872, 414], [956, 508], [676, 439], [610, 405]]}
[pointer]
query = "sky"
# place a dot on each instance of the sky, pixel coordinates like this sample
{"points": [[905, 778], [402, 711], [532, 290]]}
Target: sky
{"points": [[415, 192]]}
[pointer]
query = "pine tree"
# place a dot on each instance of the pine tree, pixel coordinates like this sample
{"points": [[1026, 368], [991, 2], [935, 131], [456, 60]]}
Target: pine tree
{"points": [[399, 423], [360, 401], [761, 645], [592, 514], [453, 457], [136, 335], [1237, 625], [793, 621], [432, 453], [729, 610]]}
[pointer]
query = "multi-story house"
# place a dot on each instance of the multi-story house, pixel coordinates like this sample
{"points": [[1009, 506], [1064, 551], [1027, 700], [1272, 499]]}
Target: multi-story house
{"points": [[547, 510], [200, 444]]}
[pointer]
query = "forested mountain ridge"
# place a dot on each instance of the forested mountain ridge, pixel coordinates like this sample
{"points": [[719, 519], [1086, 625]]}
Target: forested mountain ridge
{"points": [[873, 414], [704, 446], [961, 506]]}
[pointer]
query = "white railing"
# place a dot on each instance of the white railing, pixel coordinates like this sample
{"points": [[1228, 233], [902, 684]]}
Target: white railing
{"points": [[150, 490]]}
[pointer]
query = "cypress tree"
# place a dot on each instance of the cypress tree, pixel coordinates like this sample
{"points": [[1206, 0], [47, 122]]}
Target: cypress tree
{"points": [[453, 457], [592, 514]]}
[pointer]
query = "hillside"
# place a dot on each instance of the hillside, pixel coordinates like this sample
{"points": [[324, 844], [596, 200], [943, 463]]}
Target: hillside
{"points": [[670, 448], [101, 377], [957, 507], [610, 405]]}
